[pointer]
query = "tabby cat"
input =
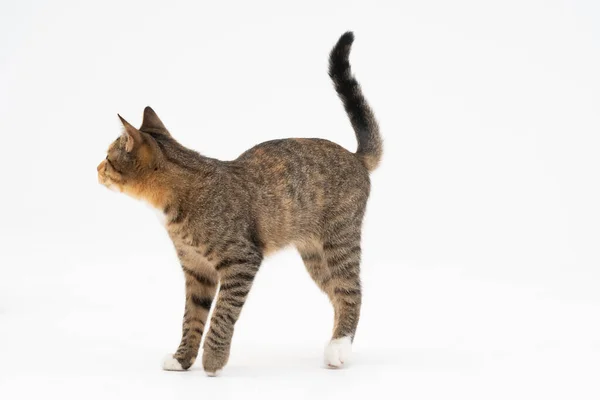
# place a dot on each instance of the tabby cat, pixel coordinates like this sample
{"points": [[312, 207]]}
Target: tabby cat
{"points": [[225, 216]]}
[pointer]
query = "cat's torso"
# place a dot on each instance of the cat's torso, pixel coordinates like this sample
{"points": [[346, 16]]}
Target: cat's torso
{"points": [[277, 193]]}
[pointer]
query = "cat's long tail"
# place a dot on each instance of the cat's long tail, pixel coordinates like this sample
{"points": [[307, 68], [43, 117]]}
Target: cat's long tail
{"points": [[370, 144]]}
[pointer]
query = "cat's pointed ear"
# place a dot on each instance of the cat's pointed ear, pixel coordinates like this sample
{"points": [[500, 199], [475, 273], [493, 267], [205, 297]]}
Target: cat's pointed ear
{"points": [[153, 124], [132, 135]]}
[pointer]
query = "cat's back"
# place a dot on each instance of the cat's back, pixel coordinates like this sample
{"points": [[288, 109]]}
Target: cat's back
{"points": [[302, 157]]}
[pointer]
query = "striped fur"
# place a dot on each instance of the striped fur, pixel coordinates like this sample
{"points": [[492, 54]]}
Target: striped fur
{"points": [[225, 216]]}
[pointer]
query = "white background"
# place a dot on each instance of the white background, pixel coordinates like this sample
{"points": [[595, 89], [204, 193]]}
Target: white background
{"points": [[481, 260]]}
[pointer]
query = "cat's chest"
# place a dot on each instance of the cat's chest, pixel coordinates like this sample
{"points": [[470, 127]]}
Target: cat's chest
{"points": [[186, 240], [186, 237], [189, 250]]}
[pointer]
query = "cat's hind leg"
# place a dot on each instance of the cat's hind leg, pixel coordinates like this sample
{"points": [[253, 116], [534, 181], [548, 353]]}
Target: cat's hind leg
{"points": [[342, 253], [334, 265]]}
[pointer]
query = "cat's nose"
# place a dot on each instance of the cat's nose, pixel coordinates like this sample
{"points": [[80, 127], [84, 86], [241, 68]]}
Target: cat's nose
{"points": [[100, 166]]}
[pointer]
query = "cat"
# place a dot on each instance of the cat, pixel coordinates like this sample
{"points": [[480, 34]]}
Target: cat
{"points": [[225, 216]]}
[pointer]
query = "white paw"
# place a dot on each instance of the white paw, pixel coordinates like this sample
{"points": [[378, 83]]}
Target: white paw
{"points": [[338, 352], [214, 373], [171, 364]]}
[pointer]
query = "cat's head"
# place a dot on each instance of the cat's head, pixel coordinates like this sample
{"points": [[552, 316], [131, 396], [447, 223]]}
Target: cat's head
{"points": [[134, 157]]}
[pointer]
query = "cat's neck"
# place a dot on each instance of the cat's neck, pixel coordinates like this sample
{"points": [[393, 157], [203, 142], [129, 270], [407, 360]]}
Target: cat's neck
{"points": [[173, 186]]}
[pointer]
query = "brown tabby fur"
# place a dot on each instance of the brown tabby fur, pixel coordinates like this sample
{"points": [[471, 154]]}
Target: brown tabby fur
{"points": [[225, 216]]}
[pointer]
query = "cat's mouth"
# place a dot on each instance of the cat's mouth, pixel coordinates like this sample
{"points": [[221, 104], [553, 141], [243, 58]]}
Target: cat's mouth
{"points": [[104, 179], [109, 185]]}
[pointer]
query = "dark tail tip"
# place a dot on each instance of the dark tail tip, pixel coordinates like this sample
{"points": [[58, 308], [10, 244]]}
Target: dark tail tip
{"points": [[346, 39], [338, 59]]}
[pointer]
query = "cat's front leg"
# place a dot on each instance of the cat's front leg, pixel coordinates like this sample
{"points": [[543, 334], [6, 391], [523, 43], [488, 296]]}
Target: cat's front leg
{"points": [[237, 273], [200, 289]]}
